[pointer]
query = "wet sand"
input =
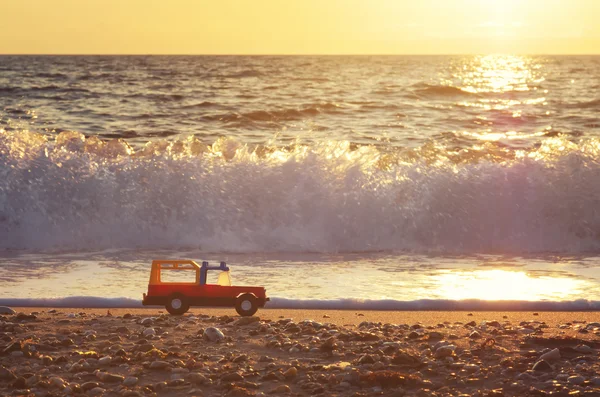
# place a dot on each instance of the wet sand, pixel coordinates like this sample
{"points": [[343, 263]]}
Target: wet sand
{"points": [[214, 352], [355, 317]]}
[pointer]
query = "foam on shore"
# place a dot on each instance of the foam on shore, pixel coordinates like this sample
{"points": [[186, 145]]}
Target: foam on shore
{"points": [[332, 304]]}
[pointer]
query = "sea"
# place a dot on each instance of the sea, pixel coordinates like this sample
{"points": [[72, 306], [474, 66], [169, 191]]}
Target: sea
{"points": [[336, 182]]}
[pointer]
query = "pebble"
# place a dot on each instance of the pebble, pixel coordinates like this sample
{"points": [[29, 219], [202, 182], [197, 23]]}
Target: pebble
{"points": [[595, 381], [445, 351], [89, 386], [112, 378], [6, 374], [57, 382], [197, 378], [576, 379], [232, 377], [6, 310], [585, 349], [213, 334], [471, 368], [290, 373], [104, 360], [562, 377], [159, 365], [526, 331], [130, 381], [96, 391], [542, 366], [281, 389], [240, 358], [148, 332], [552, 355]]}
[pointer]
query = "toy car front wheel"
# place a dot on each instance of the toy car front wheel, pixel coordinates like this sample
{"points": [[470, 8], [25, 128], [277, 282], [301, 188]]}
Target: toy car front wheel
{"points": [[177, 304], [246, 305]]}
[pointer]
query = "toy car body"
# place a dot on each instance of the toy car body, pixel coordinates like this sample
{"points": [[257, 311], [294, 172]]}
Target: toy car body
{"points": [[177, 296]]}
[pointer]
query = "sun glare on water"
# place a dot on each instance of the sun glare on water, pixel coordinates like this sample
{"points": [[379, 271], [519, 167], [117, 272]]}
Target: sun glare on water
{"points": [[500, 284]]}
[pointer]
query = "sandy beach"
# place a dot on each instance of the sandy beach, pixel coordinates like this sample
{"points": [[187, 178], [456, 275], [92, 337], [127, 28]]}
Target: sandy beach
{"points": [[213, 352]]}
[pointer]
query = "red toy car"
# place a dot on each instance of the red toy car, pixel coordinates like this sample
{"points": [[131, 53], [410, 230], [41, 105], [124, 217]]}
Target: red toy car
{"points": [[177, 296]]}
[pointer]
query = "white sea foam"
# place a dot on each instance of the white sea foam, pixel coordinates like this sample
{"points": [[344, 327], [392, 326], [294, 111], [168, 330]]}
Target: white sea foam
{"points": [[333, 304], [79, 194]]}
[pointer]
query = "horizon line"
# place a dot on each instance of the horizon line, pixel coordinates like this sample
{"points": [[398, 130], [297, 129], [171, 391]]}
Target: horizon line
{"points": [[307, 54]]}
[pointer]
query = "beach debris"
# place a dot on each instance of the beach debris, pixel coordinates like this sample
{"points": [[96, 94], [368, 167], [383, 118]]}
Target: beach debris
{"points": [[552, 355], [475, 335], [542, 366]]}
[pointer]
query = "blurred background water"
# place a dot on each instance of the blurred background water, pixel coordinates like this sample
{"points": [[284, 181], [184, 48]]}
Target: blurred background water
{"points": [[423, 177]]}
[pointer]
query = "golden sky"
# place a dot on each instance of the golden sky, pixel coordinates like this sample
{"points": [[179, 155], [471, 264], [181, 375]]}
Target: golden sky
{"points": [[299, 26]]}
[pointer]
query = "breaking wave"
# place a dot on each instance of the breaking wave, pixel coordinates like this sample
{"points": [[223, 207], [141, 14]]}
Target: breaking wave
{"points": [[75, 193]]}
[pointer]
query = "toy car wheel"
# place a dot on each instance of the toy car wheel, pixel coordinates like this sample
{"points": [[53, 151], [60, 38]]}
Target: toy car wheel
{"points": [[246, 305], [177, 304]]}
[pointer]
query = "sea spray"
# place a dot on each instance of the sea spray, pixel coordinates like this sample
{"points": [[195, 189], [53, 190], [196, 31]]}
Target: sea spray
{"points": [[83, 193]]}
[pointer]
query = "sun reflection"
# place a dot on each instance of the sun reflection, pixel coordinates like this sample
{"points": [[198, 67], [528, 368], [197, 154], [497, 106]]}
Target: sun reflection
{"points": [[508, 88], [500, 73], [500, 284], [497, 136]]}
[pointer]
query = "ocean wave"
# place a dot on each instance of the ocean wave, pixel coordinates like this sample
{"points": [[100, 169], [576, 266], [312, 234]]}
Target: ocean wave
{"points": [[330, 304], [76, 193], [435, 91], [201, 105], [242, 74], [593, 104], [9, 89], [57, 88], [51, 75], [427, 90], [276, 115]]}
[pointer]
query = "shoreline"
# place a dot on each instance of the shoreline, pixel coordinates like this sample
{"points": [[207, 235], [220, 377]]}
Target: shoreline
{"points": [[351, 316], [277, 352]]}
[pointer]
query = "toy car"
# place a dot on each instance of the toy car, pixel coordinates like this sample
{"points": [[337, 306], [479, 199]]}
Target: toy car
{"points": [[177, 296]]}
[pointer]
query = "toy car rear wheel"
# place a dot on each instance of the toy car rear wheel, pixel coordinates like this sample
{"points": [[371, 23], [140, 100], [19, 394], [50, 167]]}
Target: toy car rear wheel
{"points": [[177, 304], [246, 305]]}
